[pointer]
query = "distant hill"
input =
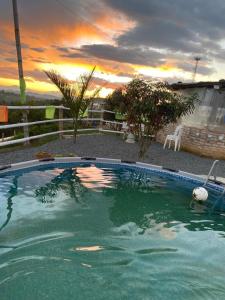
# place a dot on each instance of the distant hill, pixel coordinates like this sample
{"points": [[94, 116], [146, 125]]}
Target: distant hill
{"points": [[10, 97]]}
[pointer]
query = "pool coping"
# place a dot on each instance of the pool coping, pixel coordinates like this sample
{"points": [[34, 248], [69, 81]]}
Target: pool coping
{"points": [[178, 174]]}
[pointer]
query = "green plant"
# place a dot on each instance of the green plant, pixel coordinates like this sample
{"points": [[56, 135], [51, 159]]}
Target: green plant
{"points": [[74, 94], [149, 106]]}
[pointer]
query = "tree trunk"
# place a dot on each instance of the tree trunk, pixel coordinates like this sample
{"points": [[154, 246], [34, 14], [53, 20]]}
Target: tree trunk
{"points": [[144, 144]]}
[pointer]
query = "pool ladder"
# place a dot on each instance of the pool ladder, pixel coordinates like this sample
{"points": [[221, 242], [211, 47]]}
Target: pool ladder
{"points": [[214, 167]]}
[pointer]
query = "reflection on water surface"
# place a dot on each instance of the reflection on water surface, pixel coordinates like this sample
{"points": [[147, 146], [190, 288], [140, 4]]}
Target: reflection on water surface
{"points": [[118, 231]]}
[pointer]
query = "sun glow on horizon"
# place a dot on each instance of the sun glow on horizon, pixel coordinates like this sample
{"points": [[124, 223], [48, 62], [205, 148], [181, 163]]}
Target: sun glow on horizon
{"points": [[39, 86], [104, 92], [73, 72]]}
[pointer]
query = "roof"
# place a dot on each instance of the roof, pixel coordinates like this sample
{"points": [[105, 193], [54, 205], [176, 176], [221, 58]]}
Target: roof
{"points": [[201, 84]]}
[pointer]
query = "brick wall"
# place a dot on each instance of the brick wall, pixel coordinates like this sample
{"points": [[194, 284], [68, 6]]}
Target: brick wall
{"points": [[203, 141]]}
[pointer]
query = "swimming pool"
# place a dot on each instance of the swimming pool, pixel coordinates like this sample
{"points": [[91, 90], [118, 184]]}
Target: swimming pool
{"points": [[101, 230]]}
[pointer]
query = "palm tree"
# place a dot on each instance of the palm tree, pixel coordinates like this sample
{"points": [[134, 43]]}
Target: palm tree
{"points": [[74, 94]]}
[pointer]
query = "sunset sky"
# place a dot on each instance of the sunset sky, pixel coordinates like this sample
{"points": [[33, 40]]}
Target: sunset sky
{"points": [[151, 38]]}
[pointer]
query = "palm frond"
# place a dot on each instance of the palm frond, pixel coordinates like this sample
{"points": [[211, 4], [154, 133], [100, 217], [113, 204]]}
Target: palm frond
{"points": [[74, 94], [62, 83], [85, 83]]}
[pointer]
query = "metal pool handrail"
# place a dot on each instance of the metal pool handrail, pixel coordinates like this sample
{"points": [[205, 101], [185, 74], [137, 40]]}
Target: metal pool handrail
{"points": [[210, 172], [215, 164]]}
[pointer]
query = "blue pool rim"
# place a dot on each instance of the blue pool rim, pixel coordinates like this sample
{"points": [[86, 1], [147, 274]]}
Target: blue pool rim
{"points": [[106, 162]]}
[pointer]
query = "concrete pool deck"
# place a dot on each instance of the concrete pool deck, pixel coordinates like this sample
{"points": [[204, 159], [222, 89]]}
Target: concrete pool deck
{"points": [[112, 146]]}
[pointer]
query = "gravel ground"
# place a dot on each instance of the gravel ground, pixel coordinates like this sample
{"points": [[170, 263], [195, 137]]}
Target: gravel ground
{"points": [[112, 146]]}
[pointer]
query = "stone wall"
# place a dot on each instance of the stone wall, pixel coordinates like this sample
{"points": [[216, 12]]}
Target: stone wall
{"points": [[203, 141]]}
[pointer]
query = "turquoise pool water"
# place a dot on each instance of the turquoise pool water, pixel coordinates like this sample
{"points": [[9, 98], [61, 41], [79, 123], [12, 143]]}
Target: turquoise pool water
{"points": [[88, 232]]}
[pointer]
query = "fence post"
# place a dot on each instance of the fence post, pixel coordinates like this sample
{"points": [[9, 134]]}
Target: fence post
{"points": [[102, 119], [60, 123], [25, 128]]}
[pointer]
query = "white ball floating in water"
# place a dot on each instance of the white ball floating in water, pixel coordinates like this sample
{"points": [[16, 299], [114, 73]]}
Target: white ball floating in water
{"points": [[200, 194]]}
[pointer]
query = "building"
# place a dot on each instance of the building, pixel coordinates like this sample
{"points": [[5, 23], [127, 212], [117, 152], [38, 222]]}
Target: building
{"points": [[98, 103], [204, 130]]}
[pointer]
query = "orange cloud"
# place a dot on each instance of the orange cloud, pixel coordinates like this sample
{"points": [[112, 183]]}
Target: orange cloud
{"points": [[42, 52], [114, 23], [39, 35]]}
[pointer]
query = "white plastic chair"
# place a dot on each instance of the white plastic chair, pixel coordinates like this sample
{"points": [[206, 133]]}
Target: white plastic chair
{"points": [[176, 137]]}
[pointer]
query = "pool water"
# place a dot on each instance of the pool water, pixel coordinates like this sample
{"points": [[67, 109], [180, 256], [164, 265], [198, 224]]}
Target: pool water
{"points": [[88, 232]]}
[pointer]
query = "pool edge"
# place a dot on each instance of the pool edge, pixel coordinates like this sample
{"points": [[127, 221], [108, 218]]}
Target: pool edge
{"points": [[133, 164]]}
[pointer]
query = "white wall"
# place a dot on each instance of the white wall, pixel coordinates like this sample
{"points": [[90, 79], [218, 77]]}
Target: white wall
{"points": [[211, 109]]}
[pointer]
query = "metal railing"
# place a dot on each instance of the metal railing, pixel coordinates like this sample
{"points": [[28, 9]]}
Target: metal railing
{"points": [[214, 168], [215, 164], [60, 122]]}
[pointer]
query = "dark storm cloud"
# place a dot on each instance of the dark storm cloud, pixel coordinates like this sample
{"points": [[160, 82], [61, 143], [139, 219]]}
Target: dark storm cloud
{"points": [[177, 25], [74, 55], [69, 52], [189, 67], [38, 49], [164, 30], [40, 60], [41, 14], [44, 21], [138, 56], [61, 49], [125, 55], [164, 35]]}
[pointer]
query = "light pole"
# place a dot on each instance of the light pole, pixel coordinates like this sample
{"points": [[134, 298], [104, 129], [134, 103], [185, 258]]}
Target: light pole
{"points": [[20, 65], [197, 59]]}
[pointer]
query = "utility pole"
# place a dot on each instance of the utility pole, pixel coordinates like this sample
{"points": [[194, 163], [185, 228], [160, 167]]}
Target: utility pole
{"points": [[197, 59], [20, 66]]}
